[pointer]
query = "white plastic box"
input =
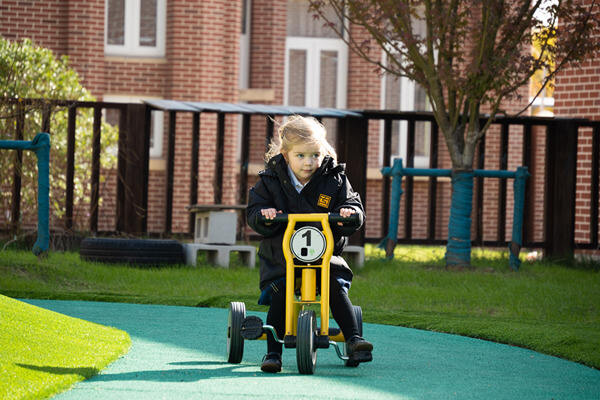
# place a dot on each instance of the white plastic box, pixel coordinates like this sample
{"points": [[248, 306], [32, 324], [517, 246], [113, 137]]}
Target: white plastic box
{"points": [[215, 227]]}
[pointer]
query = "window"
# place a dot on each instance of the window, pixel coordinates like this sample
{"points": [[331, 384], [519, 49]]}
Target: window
{"points": [[543, 104], [157, 122], [135, 27], [402, 94], [301, 22], [316, 63]]}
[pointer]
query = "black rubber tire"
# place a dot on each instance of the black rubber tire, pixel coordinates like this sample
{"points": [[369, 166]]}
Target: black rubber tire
{"points": [[359, 321], [132, 251], [235, 341], [306, 347]]}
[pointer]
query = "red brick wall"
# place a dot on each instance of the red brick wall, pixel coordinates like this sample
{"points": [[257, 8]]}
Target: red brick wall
{"points": [[49, 20], [86, 43], [577, 94], [267, 47], [267, 63], [203, 58], [201, 64], [364, 91]]}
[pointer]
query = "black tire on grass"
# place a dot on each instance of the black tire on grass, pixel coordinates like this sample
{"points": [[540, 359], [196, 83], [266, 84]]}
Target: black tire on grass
{"points": [[132, 251]]}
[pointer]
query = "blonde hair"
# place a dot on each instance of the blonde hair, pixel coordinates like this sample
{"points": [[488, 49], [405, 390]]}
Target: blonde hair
{"points": [[299, 129]]}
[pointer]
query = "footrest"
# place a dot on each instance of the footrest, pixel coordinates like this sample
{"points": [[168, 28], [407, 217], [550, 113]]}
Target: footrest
{"points": [[332, 331], [252, 328], [322, 342], [361, 356], [289, 341]]}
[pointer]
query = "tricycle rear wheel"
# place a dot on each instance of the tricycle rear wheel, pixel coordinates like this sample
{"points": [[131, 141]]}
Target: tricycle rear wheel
{"points": [[235, 341], [359, 321]]}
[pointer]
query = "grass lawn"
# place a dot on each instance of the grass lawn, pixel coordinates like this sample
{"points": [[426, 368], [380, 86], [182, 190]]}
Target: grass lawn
{"points": [[547, 307], [43, 353]]}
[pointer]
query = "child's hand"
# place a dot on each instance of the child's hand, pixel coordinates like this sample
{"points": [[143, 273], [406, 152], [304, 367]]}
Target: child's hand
{"points": [[269, 213], [345, 213]]}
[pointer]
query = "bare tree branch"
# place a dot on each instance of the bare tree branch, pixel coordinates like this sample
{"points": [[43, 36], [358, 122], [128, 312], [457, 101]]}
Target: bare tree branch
{"points": [[472, 54]]}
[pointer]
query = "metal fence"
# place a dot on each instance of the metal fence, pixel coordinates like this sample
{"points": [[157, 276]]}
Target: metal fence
{"points": [[560, 167], [558, 158]]}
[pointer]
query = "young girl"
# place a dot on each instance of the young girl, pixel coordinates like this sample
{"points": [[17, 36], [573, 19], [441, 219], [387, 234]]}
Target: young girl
{"points": [[302, 176]]}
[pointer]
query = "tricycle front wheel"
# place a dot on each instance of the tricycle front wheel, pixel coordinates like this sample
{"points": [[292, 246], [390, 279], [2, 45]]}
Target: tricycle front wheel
{"points": [[306, 349]]}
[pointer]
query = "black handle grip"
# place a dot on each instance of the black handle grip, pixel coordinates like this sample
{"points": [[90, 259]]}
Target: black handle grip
{"points": [[279, 218], [338, 218]]}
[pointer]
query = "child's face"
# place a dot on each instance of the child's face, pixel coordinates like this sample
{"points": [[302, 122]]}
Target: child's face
{"points": [[304, 159]]}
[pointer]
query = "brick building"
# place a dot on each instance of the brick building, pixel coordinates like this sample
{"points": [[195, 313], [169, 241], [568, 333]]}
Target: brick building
{"points": [[577, 95], [125, 51], [263, 51]]}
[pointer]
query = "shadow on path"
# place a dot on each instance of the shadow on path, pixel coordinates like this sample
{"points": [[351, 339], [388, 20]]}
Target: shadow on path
{"points": [[85, 372]]}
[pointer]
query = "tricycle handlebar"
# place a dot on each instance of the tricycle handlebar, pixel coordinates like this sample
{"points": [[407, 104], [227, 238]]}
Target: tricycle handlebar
{"points": [[333, 217]]}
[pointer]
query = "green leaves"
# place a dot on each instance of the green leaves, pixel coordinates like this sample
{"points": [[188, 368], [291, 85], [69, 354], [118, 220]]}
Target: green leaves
{"points": [[29, 71]]}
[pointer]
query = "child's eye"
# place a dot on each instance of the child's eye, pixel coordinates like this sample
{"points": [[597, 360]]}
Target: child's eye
{"points": [[300, 155], [316, 155]]}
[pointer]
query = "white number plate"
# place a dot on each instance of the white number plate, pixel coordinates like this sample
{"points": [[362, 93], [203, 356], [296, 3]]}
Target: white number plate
{"points": [[308, 244]]}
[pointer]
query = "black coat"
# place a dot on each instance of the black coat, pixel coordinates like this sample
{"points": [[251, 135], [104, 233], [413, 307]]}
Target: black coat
{"points": [[327, 191]]}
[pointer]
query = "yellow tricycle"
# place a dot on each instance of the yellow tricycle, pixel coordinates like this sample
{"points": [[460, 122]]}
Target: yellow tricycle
{"points": [[308, 249]]}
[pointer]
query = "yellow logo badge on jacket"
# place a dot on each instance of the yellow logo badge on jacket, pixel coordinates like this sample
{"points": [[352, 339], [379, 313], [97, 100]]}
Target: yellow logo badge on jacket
{"points": [[324, 201]]}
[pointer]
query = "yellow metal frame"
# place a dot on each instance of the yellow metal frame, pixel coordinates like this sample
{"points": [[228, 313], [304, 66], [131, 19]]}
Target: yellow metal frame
{"points": [[309, 281]]}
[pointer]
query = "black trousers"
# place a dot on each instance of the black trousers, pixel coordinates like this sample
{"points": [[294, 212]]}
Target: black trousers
{"points": [[341, 309]]}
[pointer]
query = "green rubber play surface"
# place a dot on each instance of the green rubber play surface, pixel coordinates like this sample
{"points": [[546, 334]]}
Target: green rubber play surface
{"points": [[179, 353]]}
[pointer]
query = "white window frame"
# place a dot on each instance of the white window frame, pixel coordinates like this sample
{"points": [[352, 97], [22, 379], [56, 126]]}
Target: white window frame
{"points": [[313, 47], [244, 67], [157, 120], [131, 46], [244, 78]]}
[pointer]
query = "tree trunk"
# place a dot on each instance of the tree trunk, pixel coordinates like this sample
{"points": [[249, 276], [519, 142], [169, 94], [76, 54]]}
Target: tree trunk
{"points": [[458, 250]]}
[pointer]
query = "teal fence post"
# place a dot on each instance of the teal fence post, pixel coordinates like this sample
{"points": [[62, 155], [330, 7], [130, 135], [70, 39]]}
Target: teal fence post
{"points": [[458, 248], [41, 146], [389, 242], [519, 204]]}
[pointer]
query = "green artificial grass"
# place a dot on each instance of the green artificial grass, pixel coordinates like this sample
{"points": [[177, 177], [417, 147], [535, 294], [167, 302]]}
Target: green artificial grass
{"points": [[43, 353], [545, 307], [548, 307]]}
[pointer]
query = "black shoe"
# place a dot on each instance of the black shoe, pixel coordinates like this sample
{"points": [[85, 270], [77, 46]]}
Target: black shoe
{"points": [[359, 350], [271, 363]]}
